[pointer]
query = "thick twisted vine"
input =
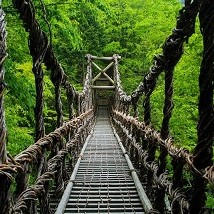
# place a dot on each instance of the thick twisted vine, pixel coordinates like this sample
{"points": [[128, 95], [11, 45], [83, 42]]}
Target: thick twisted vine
{"points": [[167, 112], [172, 49], [122, 101], [172, 52], [41, 51], [46, 55], [38, 45], [203, 153], [85, 97], [4, 173], [3, 55]]}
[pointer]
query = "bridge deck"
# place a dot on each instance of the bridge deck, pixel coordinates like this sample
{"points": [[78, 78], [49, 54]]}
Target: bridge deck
{"points": [[103, 182]]}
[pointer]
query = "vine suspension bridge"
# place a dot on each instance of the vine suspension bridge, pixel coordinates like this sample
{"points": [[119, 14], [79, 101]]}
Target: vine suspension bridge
{"points": [[105, 159]]}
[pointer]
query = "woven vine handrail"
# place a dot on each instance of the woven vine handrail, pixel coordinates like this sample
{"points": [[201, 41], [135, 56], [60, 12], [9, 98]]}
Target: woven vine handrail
{"points": [[55, 169]]}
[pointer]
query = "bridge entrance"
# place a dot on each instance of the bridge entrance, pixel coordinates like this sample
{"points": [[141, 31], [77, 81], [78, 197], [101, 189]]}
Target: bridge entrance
{"points": [[102, 78]]}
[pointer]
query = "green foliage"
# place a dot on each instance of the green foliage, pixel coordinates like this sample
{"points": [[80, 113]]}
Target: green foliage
{"points": [[19, 105], [19, 134], [184, 120], [210, 198]]}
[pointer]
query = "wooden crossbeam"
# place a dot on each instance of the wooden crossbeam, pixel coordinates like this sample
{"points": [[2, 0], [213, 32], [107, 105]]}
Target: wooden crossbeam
{"points": [[96, 66], [102, 87], [103, 71]]}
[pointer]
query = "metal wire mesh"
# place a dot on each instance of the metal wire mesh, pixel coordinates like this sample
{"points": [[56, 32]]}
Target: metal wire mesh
{"points": [[103, 183]]}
